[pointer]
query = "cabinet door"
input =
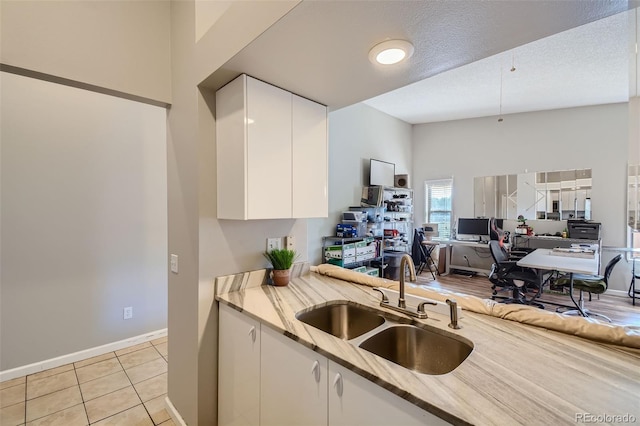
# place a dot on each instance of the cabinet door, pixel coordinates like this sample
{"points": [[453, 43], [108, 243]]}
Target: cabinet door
{"points": [[231, 150], [310, 195], [268, 151], [354, 400], [238, 369], [293, 383]]}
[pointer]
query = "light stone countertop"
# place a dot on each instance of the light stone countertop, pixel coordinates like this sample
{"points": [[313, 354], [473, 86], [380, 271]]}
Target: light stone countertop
{"points": [[516, 374]]}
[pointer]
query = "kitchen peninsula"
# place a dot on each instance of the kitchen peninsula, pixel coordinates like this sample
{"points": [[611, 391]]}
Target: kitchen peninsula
{"points": [[516, 374]]}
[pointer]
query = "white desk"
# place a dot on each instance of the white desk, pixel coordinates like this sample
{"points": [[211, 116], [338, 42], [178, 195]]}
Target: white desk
{"points": [[449, 244], [543, 259]]}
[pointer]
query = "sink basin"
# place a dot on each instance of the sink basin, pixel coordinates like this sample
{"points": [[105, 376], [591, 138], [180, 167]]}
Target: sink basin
{"points": [[344, 320], [418, 349]]}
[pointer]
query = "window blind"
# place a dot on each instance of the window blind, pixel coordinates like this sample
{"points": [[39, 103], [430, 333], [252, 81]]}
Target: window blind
{"points": [[438, 204]]}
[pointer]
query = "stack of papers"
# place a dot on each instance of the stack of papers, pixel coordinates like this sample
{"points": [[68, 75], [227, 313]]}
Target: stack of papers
{"points": [[574, 252]]}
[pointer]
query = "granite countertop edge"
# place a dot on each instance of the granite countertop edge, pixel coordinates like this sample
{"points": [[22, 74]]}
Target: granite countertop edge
{"points": [[464, 396]]}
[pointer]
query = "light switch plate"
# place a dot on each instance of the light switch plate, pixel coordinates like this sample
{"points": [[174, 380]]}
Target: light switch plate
{"points": [[274, 243], [174, 263], [290, 242]]}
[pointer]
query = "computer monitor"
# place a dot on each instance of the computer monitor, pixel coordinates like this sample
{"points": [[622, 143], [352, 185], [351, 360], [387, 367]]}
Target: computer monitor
{"points": [[372, 196], [472, 228]]}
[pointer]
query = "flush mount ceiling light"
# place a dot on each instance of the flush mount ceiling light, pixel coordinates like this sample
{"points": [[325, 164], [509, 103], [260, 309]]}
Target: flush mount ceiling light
{"points": [[390, 52]]}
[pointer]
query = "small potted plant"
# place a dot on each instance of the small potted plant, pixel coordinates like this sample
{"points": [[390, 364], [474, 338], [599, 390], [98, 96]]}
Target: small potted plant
{"points": [[281, 260], [522, 228]]}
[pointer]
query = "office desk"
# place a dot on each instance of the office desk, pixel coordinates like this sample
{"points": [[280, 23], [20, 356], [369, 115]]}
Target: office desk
{"points": [[449, 244], [543, 259], [548, 242]]}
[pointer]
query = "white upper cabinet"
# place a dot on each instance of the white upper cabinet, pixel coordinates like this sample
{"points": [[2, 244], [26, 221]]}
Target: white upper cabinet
{"points": [[310, 174], [271, 153]]}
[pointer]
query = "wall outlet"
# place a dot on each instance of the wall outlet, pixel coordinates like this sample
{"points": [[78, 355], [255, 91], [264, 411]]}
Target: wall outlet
{"points": [[274, 243], [174, 263], [290, 242], [127, 313]]}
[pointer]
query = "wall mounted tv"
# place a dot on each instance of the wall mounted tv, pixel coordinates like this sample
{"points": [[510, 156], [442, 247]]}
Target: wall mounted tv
{"points": [[381, 173]]}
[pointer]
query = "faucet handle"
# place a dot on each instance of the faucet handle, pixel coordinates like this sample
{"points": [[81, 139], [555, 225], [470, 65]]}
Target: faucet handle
{"points": [[385, 299], [427, 302]]}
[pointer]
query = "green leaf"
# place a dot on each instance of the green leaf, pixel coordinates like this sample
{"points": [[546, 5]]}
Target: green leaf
{"points": [[281, 259]]}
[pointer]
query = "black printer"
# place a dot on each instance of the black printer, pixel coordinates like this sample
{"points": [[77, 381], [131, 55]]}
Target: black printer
{"points": [[583, 229]]}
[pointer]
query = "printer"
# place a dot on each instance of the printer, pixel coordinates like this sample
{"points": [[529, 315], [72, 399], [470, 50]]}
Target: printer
{"points": [[583, 229]]}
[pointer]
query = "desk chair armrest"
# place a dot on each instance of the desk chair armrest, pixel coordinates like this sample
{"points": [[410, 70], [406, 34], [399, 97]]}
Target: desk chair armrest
{"points": [[507, 266]]}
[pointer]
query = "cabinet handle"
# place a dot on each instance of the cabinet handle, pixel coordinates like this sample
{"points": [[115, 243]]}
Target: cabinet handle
{"points": [[315, 370], [337, 383], [252, 333]]}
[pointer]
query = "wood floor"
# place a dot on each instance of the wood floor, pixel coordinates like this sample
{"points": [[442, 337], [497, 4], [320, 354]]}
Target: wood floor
{"points": [[619, 309]]}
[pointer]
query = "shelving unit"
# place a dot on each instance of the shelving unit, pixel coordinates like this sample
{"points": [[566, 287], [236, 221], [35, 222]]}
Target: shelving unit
{"points": [[398, 219], [354, 253]]}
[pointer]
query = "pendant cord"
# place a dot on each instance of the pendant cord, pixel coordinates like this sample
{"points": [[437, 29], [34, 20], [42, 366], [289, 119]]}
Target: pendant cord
{"points": [[500, 116]]}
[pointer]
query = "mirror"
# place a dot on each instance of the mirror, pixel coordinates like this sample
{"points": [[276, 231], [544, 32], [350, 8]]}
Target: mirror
{"points": [[557, 195]]}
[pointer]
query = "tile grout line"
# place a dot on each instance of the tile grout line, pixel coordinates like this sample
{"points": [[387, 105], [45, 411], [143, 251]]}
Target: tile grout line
{"points": [[83, 402], [134, 389], [46, 394], [84, 407], [25, 400]]}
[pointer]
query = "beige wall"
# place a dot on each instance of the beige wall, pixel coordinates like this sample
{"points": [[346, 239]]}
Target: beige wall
{"points": [[595, 137], [83, 196], [207, 247], [119, 45], [356, 134], [124, 47]]}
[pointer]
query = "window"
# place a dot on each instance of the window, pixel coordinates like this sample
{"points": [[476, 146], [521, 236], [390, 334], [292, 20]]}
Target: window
{"points": [[438, 205]]}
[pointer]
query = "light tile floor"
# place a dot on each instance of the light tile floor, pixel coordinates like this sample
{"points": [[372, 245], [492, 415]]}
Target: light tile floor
{"points": [[122, 388]]}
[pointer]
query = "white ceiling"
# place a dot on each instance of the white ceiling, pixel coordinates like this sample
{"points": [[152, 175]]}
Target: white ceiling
{"points": [[588, 65], [319, 50]]}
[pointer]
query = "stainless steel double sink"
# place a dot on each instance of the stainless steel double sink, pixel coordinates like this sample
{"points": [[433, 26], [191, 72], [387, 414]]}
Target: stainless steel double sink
{"points": [[416, 346]]}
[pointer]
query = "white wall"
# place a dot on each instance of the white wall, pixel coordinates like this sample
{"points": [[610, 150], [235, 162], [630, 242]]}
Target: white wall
{"points": [[356, 134], [83, 219], [118, 45], [595, 137], [591, 137]]}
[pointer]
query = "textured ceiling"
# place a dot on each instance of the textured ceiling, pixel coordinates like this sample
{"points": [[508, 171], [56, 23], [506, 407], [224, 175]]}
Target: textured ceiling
{"points": [[588, 65], [319, 49]]}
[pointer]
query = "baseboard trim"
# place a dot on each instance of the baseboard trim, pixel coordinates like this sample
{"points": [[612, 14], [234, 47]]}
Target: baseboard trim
{"points": [[618, 293], [175, 416], [80, 355]]}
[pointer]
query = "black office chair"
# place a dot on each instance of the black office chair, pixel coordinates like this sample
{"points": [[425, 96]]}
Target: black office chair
{"points": [[506, 275], [593, 284], [498, 234]]}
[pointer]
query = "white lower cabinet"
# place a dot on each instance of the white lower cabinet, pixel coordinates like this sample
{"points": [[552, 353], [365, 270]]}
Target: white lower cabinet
{"points": [[293, 388], [353, 400], [238, 369], [267, 379]]}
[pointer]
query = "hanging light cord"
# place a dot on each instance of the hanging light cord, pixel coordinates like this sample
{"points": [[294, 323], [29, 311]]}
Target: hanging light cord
{"points": [[500, 116]]}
